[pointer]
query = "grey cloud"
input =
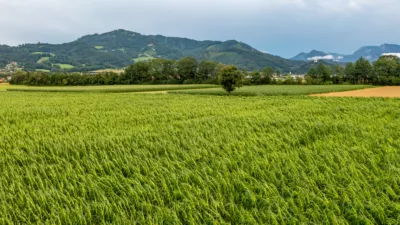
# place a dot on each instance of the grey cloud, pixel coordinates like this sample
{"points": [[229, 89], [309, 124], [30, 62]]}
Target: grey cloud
{"points": [[283, 27]]}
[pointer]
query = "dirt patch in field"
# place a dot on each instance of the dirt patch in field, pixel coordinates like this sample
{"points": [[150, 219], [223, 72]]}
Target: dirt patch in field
{"points": [[386, 92]]}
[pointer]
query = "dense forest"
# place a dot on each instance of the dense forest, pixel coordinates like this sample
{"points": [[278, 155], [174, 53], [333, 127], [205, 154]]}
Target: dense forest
{"points": [[188, 70], [120, 48]]}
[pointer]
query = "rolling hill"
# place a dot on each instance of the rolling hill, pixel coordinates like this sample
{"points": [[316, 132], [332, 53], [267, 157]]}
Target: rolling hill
{"points": [[119, 48]]}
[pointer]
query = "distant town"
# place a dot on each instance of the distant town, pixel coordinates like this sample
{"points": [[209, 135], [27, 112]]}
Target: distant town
{"points": [[7, 71]]}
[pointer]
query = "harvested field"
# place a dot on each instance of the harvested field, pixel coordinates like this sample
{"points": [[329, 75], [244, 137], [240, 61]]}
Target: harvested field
{"points": [[386, 92]]}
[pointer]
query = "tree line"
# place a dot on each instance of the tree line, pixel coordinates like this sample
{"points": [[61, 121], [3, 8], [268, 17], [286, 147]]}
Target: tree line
{"points": [[384, 71], [157, 71]]}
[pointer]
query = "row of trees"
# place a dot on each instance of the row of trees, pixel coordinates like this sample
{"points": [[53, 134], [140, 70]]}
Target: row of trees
{"points": [[385, 71], [230, 77], [157, 71], [185, 70]]}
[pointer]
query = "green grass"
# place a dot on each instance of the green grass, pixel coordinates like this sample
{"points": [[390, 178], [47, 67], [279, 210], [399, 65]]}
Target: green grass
{"points": [[108, 88], [65, 66], [4, 86], [37, 53], [109, 70], [98, 47], [96, 158], [43, 59], [41, 53], [150, 52], [42, 70], [268, 90], [143, 59]]}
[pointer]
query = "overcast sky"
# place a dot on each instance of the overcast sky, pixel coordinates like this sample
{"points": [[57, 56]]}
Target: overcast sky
{"points": [[280, 27]]}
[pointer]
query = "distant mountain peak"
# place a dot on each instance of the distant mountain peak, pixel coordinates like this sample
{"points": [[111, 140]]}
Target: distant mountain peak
{"points": [[317, 55], [371, 53], [317, 52]]}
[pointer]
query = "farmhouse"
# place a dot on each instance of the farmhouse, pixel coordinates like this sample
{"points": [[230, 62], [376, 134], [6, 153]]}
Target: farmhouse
{"points": [[297, 76]]}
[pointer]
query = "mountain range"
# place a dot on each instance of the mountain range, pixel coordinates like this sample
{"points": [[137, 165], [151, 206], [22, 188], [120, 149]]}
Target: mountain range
{"points": [[120, 48], [372, 53]]}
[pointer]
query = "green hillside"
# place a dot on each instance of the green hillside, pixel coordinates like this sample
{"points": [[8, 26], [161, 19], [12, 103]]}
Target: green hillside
{"points": [[306, 66], [120, 48]]}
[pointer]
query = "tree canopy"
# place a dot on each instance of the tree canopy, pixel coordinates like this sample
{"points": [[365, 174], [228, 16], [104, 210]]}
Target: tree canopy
{"points": [[231, 78]]}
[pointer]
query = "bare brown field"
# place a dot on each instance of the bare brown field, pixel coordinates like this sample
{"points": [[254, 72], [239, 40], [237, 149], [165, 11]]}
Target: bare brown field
{"points": [[386, 92]]}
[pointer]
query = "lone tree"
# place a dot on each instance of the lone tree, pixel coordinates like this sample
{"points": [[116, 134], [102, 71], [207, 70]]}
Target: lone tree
{"points": [[231, 78]]}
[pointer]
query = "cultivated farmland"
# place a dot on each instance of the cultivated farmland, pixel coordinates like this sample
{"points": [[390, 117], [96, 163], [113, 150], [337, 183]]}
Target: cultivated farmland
{"points": [[65, 66], [122, 158]]}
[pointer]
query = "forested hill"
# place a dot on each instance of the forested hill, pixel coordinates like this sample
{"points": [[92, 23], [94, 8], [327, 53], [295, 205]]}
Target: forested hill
{"points": [[120, 48]]}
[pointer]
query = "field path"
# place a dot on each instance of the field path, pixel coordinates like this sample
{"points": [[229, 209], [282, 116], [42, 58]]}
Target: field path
{"points": [[387, 92]]}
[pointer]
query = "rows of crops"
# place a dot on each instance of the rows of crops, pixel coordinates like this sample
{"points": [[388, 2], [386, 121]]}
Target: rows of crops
{"points": [[96, 158]]}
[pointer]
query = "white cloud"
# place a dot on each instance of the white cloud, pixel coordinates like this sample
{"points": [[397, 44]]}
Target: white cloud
{"points": [[327, 57], [391, 54]]}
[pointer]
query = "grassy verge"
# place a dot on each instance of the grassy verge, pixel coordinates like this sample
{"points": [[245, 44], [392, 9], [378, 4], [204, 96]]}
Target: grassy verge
{"points": [[109, 88], [267, 90]]}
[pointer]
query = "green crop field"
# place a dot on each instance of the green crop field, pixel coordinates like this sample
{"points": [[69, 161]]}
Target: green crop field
{"points": [[42, 70], [65, 66], [124, 158], [269, 90], [143, 59], [4, 86], [43, 59]]}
